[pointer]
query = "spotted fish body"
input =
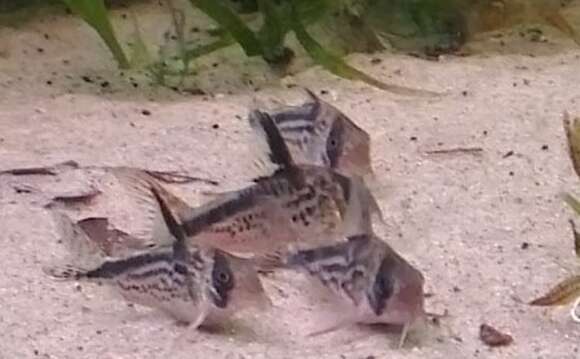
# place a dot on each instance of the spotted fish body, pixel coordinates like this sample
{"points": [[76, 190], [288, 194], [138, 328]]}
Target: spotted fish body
{"points": [[305, 205], [271, 214], [275, 211], [298, 205], [317, 133], [193, 284], [375, 283]]}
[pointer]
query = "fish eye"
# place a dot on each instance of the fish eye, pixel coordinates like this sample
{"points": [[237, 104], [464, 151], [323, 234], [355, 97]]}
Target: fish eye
{"points": [[333, 142], [224, 277]]}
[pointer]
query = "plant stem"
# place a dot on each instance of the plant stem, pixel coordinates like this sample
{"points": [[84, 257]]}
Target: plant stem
{"points": [[232, 23]]}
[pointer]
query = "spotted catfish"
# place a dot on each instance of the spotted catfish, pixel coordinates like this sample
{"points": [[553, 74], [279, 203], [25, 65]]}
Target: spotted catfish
{"points": [[298, 205], [193, 284], [319, 134], [368, 282]]}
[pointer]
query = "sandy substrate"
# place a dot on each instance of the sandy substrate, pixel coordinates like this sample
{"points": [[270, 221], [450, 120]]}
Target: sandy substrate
{"points": [[486, 228]]}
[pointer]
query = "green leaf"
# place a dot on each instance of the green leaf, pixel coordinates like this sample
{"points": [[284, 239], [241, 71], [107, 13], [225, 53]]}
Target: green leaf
{"points": [[309, 11], [572, 130], [273, 32], [232, 23], [203, 50], [563, 293], [139, 54], [336, 65], [576, 239], [94, 13], [572, 202]]}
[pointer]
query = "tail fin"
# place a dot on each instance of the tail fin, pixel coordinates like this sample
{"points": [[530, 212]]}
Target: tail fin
{"points": [[84, 254], [64, 272], [81, 248], [159, 204]]}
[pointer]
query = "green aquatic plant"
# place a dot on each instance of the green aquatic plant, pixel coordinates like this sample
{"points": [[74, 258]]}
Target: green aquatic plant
{"points": [[337, 66], [572, 129], [94, 13], [261, 29], [232, 23], [425, 25], [435, 26], [278, 19]]}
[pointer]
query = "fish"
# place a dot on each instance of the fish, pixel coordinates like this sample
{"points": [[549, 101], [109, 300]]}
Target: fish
{"points": [[317, 133], [296, 206], [369, 282], [197, 285]]}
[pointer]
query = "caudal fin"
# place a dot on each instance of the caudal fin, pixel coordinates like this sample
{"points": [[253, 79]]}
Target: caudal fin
{"points": [[83, 251], [150, 195], [64, 272], [83, 254]]}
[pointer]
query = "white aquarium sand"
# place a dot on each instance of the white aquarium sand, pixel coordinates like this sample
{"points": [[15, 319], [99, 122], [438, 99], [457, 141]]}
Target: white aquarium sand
{"points": [[485, 224]]}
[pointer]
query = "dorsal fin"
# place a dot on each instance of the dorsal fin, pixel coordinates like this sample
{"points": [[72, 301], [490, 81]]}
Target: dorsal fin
{"points": [[173, 226], [279, 152]]}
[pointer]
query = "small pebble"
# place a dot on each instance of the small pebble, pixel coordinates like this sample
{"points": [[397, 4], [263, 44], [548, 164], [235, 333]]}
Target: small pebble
{"points": [[493, 337]]}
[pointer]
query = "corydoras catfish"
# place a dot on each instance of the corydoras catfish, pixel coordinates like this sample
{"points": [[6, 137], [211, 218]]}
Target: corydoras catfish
{"points": [[193, 284], [367, 280], [319, 134], [299, 205]]}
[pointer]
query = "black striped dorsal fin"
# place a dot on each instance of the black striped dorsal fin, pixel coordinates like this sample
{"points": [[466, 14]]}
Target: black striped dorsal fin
{"points": [[279, 152]]}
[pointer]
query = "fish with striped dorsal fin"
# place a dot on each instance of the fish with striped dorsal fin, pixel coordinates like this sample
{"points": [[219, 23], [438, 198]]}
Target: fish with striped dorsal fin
{"points": [[369, 282], [317, 133], [297, 205], [193, 284]]}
